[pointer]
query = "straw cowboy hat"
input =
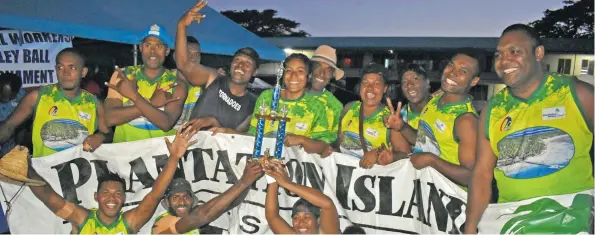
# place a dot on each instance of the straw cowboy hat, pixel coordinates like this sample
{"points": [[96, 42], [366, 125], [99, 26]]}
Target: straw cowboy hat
{"points": [[14, 166], [327, 54]]}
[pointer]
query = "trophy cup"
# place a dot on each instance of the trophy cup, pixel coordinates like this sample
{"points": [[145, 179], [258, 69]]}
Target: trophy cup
{"points": [[273, 117]]}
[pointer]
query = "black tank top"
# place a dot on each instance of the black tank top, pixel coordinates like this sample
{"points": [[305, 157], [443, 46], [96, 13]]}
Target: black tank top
{"points": [[218, 101]]}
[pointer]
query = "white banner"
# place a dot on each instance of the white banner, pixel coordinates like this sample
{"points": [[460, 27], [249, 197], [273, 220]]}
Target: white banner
{"points": [[31, 55], [392, 199]]}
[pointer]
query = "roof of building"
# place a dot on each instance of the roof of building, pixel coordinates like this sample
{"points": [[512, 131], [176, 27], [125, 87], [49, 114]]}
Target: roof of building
{"points": [[559, 45]]}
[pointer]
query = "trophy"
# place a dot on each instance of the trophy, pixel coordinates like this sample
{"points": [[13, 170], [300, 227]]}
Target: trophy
{"points": [[273, 116]]}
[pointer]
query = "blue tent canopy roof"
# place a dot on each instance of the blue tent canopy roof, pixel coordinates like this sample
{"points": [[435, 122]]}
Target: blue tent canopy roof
{"points": [[124, 21]]}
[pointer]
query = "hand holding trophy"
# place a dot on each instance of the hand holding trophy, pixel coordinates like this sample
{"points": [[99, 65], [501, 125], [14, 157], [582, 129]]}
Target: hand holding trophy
{"points": [[273, 116]]}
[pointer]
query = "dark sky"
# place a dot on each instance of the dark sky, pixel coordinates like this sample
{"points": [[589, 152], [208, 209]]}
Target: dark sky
{"points": [[446, 18]]}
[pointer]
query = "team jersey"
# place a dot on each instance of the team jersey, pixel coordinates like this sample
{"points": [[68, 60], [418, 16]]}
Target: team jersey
{"points": [[141, 128], [542, 143], [61, 122], [93, 225], [410, 116], [374, 132], [334, 108], [437, 126], [308, 117]]}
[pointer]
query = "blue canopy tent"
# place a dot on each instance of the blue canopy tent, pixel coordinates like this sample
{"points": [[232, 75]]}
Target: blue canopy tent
{"points": [[124, 21]]}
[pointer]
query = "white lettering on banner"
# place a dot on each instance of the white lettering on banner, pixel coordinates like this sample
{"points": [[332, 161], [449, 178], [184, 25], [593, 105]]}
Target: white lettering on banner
{"points": [[32, 56], [229, 101], [392, 199]]}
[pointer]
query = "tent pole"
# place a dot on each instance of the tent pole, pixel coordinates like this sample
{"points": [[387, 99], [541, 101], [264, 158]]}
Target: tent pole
{"points": [[135, 52]]}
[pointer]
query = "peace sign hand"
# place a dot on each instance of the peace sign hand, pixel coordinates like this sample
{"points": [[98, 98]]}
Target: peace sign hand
{"points": [[394, 121], [192, 14]]}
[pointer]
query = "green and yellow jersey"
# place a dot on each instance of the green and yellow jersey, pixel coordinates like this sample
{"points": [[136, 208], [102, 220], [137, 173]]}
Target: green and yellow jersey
{"points": [[542, 143], [308, 117], [61, 122]]}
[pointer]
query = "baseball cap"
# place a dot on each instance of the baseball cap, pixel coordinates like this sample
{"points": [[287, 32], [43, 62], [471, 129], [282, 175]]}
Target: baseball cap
{"points": [[419, 69], [159, 32], [178, 185], [248, 51], [376, 68]]}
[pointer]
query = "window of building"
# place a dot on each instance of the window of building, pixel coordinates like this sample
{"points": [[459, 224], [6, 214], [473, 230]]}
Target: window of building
{"points": [[587, 67], [547, 67], [564, 66]]}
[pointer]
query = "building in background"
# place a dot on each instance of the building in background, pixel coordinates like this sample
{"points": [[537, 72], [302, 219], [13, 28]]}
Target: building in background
{"points": [[565, 56]]}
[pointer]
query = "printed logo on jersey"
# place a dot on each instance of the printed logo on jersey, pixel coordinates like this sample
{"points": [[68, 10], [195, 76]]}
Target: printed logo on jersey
{"points": [[505, 125], [53, 110]]}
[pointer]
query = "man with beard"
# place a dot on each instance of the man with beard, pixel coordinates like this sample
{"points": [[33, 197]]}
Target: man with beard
{"points": [[536, 134], [184, 216], [139, 102], [64, 115], [324, 62], [225, 101], [111, 196], [445, 139]]}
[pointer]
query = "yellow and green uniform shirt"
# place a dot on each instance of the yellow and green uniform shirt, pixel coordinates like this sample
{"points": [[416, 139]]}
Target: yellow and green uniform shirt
{"points": [[542, 143], [94, 225], [141, 128], [334, 108], [308, 117], [410, 116], [375, 133], [437, 126], [61, 122], [194, 231]]}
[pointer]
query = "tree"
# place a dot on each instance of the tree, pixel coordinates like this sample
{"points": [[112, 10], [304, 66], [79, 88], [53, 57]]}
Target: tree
{"points": [[265, 23], [575, 20]]}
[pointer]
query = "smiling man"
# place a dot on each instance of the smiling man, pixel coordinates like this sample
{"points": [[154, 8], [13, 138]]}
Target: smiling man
{"points": [[324, 63], [536, 134], [445, 139], [108, 217], [185, 216], [225, 100]]}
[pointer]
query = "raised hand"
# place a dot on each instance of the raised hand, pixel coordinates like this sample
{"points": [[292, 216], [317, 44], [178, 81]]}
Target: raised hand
{"points": [[394, 121], [277, 170], [193, 14], [181, 142], [162, 96], [126, 87], [252, 172]]}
